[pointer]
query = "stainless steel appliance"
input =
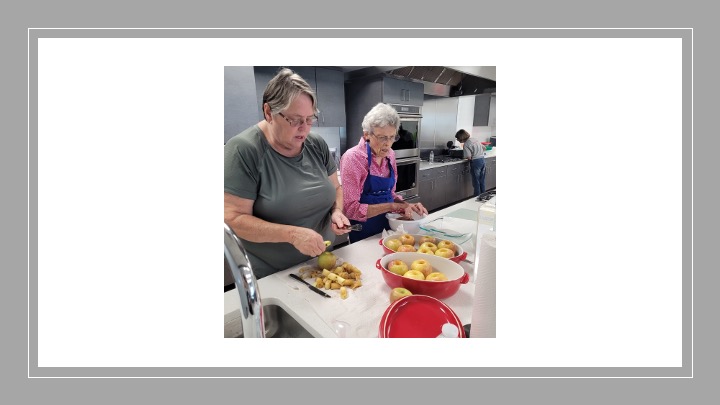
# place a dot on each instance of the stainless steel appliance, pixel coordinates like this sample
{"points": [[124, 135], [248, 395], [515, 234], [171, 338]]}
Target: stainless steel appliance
{"points": [[409, 143], [408, 176]]}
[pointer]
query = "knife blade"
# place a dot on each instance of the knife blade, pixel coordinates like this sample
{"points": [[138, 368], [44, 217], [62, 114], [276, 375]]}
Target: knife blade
{"points": [[356, 227], [312, 287]]}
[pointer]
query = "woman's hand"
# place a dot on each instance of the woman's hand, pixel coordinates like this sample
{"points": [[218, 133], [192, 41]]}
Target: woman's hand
{"points": [[417, 208], [307, 241], [339, 222]]}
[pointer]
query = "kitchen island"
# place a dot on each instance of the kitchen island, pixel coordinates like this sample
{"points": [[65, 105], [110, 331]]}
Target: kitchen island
{"points": [[359, 315]]}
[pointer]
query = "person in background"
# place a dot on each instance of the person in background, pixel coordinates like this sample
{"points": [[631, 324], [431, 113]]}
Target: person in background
{"points": [[473, 151], [282, 194], [368, 171]]}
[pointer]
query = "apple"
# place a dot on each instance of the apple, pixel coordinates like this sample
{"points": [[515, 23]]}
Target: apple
{"points": [[436, 276], [446, 244], [444, 252], [429, 245], [426, 251], [398, 267], [422, 265], [406, 248], [426, 238], [393, 244], [415, 274], [407, 239], [327, 260], [399, 292]]}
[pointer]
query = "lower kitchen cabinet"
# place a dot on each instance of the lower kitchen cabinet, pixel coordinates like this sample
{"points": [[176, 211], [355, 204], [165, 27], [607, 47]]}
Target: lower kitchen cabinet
{"points": [[447, 185], [490, 173]]}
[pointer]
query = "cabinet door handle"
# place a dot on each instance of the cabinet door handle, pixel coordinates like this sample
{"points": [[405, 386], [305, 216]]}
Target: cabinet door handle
{"points": [[407, 94]]}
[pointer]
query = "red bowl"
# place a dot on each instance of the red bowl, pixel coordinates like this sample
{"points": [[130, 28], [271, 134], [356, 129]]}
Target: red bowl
{"points": [[439, 289], [460, 253], [417, 316]]}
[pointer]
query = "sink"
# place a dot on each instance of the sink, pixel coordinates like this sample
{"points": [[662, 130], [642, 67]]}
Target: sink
{"points": [[278, 324]]}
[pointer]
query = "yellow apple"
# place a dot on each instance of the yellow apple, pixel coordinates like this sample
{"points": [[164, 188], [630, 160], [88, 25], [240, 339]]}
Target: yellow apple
{"points": [[429, 245], [407, 239], [393, 244], [327, 260], [426, 238], [426, 251], [446, 244], [398, 267], [444, 252], [422, 265], [436, 276], [416, 274], [399, 292], [406, 248]]}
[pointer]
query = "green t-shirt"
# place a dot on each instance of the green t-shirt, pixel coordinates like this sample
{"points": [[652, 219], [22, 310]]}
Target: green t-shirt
{"points": [[292, 191]]}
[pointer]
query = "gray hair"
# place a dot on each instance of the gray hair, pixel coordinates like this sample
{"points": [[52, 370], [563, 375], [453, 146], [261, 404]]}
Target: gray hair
{"points": [[381, 115], [284, 88]]}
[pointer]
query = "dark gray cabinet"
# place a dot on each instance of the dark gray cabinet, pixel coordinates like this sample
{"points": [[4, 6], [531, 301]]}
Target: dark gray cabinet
{"points": [[446, 185], [396, 91], [433, 186], [241, 110], [481, 117], [331, 97], [490, 173]]}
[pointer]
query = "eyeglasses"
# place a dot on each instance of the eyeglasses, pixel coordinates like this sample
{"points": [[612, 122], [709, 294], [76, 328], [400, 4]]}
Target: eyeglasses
{"points": [[297, 122], [387, 139]]}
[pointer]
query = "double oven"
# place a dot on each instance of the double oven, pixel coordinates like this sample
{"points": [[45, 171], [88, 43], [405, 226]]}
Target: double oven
{"points": [[407, 151]]}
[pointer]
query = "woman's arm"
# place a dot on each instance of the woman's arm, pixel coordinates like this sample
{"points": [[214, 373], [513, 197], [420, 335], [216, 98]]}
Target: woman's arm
{"points": [[239, 216]]}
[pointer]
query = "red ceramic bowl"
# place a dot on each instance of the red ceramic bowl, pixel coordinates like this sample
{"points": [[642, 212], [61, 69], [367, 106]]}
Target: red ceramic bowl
{"points": [[460, 253], [417, 316], [439, 289]]}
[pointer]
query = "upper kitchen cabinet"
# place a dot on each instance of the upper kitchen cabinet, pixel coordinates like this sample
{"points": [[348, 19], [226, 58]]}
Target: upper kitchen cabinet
{"points": [[331, 97], [396, 91], [241, 111], [484, 110], [328, 85]]}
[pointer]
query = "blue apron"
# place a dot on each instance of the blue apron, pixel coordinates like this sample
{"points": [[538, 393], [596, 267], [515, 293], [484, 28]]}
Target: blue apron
{"points": [[376, 190]]}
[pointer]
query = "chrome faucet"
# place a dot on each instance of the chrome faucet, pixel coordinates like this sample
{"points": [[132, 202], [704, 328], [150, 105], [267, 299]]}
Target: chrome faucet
{"points": [[253, 319]]}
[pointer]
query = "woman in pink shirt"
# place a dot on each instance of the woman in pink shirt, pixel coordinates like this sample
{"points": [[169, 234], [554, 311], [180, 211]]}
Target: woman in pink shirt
{"points": [[368, 176]]}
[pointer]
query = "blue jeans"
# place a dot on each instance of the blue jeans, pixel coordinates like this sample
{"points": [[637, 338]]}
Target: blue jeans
{"points": [[477, 171]]}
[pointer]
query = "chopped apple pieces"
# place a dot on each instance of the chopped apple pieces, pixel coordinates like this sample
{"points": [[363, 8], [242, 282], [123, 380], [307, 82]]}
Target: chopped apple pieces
{"points": [[340, 278]]}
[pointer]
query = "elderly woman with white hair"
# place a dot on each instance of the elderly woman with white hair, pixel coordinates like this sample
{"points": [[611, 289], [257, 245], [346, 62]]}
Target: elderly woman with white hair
{"points": [[368, 172]]}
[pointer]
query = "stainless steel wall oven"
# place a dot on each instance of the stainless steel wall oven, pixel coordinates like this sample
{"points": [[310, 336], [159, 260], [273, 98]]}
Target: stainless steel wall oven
{"points": [[409, 143], [408, 176]]}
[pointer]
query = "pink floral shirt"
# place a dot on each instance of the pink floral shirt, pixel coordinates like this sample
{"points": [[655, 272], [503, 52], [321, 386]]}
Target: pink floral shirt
{"points": [[354, 171]]}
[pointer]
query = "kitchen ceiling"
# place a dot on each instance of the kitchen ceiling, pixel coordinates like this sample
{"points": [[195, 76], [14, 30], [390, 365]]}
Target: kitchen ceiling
{"points": [[459, 80]]}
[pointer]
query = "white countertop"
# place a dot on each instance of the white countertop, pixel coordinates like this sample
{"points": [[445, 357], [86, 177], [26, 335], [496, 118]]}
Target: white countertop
{"points": [[364, 306]]}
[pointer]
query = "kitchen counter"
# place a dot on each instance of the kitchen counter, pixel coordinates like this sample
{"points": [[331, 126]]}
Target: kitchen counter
{"points": [[424, 164], [362, 310]]}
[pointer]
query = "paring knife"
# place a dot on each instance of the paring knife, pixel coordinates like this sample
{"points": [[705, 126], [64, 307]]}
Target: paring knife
{"points": [[312, 287], [356, 227]]}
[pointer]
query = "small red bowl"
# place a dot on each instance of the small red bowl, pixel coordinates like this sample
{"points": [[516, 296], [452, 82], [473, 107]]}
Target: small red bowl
{"points": [[417, 316], [460, 253], [439, 289]]}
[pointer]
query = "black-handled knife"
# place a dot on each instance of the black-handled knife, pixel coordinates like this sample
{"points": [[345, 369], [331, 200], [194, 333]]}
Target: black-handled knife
{"points": [[312, 287]]}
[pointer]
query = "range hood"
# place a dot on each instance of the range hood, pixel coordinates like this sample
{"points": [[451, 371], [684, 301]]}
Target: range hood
{"points": [[440, 81]]}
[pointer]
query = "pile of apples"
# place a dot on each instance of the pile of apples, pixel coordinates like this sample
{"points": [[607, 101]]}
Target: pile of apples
{"points": [[419, 269], [427, 244]]}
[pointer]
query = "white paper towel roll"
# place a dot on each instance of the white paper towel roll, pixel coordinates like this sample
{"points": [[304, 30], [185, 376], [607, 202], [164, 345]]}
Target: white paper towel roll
{"points": [[483, 313]]}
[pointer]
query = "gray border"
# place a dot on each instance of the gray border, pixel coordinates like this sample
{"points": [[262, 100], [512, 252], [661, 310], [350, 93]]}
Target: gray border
{"points": [[683, 371]]}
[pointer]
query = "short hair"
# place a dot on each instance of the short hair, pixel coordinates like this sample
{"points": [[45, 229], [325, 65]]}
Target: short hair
{"points": [[382, 115], [284, 88], [462, 135]]}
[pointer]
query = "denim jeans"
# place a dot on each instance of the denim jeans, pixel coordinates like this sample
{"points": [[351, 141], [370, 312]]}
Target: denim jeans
{"points": [[477, 170]]}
